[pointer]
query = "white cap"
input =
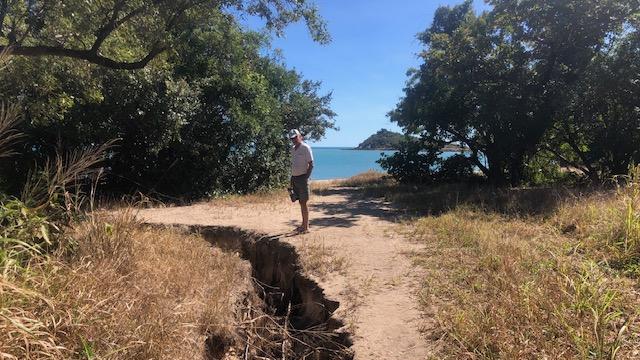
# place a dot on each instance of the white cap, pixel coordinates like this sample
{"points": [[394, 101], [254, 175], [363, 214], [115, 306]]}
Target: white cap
{"points": [[294, 133]]}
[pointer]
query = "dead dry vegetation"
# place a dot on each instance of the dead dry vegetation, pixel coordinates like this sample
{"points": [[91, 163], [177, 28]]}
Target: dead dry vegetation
{"points": [[508, 283], [319, 260], [123, 291], [368, 182], [259, 198]]}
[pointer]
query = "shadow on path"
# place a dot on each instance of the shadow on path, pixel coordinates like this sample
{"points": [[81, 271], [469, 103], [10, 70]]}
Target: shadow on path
{"points": [[346, 212], [404, 202]]}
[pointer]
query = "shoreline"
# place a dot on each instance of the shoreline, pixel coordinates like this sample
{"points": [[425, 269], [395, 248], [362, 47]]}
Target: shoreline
{"points": [[444, 149], [325, 181]]}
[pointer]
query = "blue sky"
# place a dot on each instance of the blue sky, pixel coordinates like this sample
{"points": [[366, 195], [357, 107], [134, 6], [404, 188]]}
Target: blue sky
{"points": [[374, 44]]}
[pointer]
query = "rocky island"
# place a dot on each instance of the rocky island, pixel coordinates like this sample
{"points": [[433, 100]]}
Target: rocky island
{"points": [[382, 140], [389, 140]]}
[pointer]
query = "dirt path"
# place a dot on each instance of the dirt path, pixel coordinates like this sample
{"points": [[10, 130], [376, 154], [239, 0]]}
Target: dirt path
{"points": [[377, 288]]}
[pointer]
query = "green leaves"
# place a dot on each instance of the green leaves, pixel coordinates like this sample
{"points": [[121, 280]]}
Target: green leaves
{"points": [[208, 118], [529, 76], [129, 34], [24, 233]]}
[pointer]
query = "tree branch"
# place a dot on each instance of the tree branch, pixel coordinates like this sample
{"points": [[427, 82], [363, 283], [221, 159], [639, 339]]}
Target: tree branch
{"points": [[103, 32], [565, 160], [114, 23], [474, 149], [180, 10], [87, 55], [587, 165]]}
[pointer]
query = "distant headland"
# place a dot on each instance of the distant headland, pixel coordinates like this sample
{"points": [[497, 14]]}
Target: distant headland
{"points": [[382, 140], [390, 140]]}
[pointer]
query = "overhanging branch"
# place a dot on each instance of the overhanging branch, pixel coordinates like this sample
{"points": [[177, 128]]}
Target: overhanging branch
{"points": [[115, 23], [88, 55], [566, 161], [474, 149]]}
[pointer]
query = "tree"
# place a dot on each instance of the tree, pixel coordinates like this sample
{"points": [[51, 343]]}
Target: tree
{"points": [[498, 82], [209, 117], [128, 34], [300, 105], [599, 131], [414, 162]]}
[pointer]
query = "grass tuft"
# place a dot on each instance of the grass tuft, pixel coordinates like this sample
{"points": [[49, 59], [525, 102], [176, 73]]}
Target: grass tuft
{"points": [[607, 225], [320, 260]]}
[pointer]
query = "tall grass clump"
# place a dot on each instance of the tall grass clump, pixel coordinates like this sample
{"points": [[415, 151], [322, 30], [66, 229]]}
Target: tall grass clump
{"points": [[606, 226], [513, 287], [126, 292]]}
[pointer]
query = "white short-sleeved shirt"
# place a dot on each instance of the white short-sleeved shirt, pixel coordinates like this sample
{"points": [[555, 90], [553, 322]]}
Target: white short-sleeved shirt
{"points": [[300, 159]]}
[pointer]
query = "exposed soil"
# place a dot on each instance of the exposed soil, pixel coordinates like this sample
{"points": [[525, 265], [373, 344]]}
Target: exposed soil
{"points": [[287, 293], [376, 292]]}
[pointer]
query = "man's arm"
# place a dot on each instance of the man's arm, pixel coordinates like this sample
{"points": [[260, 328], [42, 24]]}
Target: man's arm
{"points": [[310, 161], [310, 169]]}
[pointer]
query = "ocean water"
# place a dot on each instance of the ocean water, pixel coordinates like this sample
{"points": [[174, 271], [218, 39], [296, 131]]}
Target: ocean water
{"points": [[341, 163], [338, 163]]}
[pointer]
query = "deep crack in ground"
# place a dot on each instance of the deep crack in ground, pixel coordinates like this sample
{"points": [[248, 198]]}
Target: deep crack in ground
{"points": [[296, 301]]}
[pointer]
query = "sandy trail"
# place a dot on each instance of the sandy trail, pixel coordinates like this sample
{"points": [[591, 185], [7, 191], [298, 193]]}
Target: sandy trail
{"points": [[376, 290]]}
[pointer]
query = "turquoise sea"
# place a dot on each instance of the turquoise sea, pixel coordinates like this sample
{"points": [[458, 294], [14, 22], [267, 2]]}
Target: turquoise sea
{"points": [[341, 163], [338, 163]]}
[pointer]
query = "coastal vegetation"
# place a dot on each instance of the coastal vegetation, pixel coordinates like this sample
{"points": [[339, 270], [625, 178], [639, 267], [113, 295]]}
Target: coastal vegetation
{"points": [[542, 93], [206, 116], [87, 284], [558, 285], [529, 238], [521, 272], [530, 87], [107, 98]]}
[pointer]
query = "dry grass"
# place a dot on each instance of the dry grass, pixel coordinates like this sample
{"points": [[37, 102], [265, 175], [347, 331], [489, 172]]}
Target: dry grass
{"points": [[280, 197], [434, 199], [258, 198], [368, 180], [319, 260], [10, 117], [607, 226], [506, 285], [503, 288], [268, 200], [127, 292], [61, 178]]}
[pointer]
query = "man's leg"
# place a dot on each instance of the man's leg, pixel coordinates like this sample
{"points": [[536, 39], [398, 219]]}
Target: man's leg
{"points": [[305, 215]]}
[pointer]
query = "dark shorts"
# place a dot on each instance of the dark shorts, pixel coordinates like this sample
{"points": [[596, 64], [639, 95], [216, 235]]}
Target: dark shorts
{"points": [[301, 187]]}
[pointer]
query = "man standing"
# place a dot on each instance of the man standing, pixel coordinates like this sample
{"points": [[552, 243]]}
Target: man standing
{"points": [[301, 167]]}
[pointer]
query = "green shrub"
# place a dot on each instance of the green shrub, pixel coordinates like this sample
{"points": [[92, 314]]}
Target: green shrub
{"points": [[411, 163], [24, 233], [455, 168]]}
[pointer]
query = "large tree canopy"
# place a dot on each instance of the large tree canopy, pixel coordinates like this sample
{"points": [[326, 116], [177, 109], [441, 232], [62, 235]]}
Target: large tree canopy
{"points": [[501, 81], [127, 34], [209, 117]]}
